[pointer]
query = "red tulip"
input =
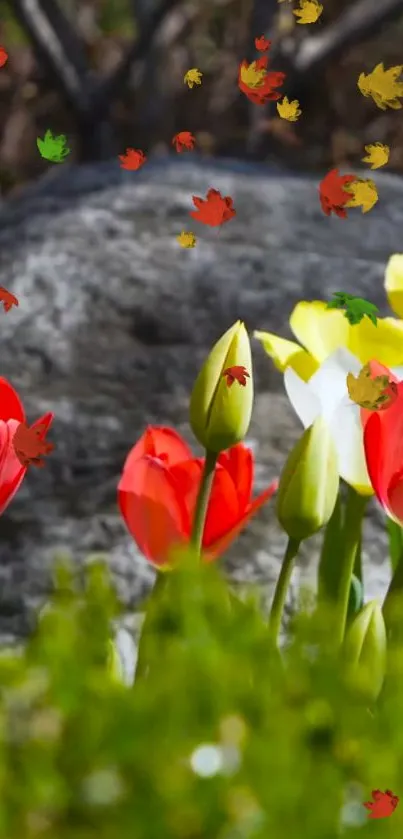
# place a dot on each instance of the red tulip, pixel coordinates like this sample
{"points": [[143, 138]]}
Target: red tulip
{"points": [[383, 445], [11, 415], [158, 489]]}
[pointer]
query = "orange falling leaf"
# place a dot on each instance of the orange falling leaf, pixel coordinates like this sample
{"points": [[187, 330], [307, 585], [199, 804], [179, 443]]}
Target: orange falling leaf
{"points": [[333, 197], [9, 300], [3, 56], [183, 140], [262, 44], [214, 209], [30, 446], [263, 91], [236, 373], [132, 160]]}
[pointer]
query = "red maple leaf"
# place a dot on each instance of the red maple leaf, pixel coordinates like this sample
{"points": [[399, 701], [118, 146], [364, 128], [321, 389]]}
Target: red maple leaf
{"points": [[3, 57], [266, 92], [332, 195], [29, 444], [262, 44], [383, 804], [214, 209], [236, 373], [7, 299], [183, 140], [132, 159]]}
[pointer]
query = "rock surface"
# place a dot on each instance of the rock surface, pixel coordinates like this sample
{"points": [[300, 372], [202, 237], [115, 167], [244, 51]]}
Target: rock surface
{"points": [[115, 320]]}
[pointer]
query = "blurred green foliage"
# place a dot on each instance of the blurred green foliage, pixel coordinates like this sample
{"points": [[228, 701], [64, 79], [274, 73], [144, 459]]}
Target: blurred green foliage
{"points": [[219, 738]]}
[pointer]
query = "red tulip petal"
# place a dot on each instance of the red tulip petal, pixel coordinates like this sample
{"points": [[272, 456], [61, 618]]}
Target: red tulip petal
{"points": [[162, 442], [223, 509], [10, 404], [154, 512], [187, 476], [11, 471], [220, 546], [395, 497], [383, 444], [238, 461]]}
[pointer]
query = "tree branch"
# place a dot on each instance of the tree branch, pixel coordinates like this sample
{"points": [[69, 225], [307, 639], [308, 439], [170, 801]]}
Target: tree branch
{"points": [[361, 20], [58, 45]]}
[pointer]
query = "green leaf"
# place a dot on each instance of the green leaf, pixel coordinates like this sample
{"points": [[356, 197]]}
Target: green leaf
{"points": [[332, 549], [356, 598], [395, 536]]}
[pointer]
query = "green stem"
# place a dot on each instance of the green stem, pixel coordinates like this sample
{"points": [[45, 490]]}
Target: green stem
{"points": [[355, 509], [283, 582], [202, 501], [395, 588], [147, 629]]}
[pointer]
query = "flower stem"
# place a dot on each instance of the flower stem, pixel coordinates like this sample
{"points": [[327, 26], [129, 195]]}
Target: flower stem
{"points": [[283, 582], [202, 501], [355, 509]]}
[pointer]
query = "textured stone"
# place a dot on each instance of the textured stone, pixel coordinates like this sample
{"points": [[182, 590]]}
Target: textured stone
{"points": [[115, 320]]}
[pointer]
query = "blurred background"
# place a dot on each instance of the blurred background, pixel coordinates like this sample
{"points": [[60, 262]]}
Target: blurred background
{"points": [[109, 74]]}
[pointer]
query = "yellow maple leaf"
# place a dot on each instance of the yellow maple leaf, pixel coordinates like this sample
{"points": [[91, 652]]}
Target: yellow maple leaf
{"points": [[377, 155], [364, 194], [186, 239], [289, 110], [309, 11], [193, 76], [252, 76], [383, 86], [368, 392]]}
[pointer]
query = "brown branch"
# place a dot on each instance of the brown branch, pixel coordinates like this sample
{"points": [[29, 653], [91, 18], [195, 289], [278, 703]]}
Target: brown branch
{"points": [[361, 20], [57, 45], [105, 91]]}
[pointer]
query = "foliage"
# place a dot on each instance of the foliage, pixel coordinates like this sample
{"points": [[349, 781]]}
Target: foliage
{"points": [[83, 756]]}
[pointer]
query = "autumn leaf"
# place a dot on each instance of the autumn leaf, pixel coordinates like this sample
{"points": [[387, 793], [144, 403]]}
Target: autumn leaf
{"points": [[333, 197], [383, 86], [132, 159], [214, 209], [236, 373], [52, 147], [309, 11], [356, 308], [192, 77], [377, 155], [251, 75], [186, 239], [29, 445], [265, 92], [364, 194], [289, 110], [374, 394], [262, 44], [3, 57], [7, 299], [183, 140]]}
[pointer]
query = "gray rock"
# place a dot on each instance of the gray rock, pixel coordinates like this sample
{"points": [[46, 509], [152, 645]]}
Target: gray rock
{"points": [[115, 320]]}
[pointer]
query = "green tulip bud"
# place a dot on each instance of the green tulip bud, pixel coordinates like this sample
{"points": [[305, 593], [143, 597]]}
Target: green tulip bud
{"points": [[309, 483], [364, 650], [220, 409]]}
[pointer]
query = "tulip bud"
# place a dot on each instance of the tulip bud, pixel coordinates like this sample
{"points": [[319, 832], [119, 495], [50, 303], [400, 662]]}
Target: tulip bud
{"points": [[309, 483], [364, 650], [220, 409]]}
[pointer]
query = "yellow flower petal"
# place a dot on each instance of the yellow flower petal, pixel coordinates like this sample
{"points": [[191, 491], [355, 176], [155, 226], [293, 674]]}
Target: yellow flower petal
{"points": [[287, 354], [383, 342], [394, 283], [319, 329]]}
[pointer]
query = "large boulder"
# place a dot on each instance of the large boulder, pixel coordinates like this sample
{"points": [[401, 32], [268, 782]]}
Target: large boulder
{"points": [[115, 319]]}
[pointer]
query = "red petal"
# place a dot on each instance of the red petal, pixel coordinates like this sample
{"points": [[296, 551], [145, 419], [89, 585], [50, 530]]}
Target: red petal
{"points": [[155, 514], [11, 471], [223, 510], [221, 545], [238, 461], [10, 404], [159, 441]]}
